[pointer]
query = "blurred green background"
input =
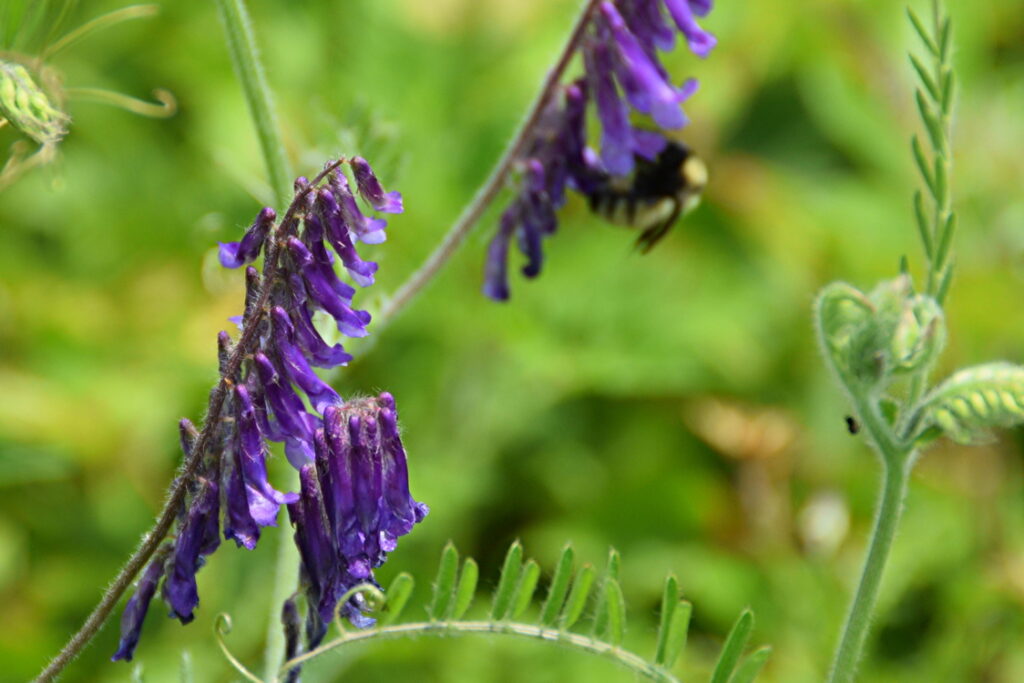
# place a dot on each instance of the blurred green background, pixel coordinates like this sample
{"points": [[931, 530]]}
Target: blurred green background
{"points": [[672, 405]]}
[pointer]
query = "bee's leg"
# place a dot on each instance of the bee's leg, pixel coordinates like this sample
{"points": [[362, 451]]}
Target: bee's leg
{"points": [[654, 234]]}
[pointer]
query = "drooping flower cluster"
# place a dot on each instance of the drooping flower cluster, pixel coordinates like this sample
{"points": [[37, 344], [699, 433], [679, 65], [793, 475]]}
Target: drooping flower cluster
{"points": [[354, 506], [622, 70], [354, 501]]}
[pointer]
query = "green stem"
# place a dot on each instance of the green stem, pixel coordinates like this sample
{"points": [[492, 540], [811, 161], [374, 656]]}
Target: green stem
{"points": [[495, 181], [245, 57], [894, 489], [577, 641]]}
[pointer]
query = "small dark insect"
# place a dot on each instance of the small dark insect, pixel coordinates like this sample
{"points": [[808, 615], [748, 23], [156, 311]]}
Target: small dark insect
{"points": [[852, 425], [658, 193]]}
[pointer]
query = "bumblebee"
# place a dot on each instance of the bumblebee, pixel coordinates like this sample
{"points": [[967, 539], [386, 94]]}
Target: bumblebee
{"points": [[654, 196]]}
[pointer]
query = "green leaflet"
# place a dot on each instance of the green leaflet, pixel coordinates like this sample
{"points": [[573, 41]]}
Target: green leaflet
{"points": [[968, 405]]}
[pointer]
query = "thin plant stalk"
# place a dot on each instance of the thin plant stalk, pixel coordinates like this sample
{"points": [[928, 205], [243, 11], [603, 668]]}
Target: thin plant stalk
{"points": [[495, 181], [858, 621], [245, 57]]}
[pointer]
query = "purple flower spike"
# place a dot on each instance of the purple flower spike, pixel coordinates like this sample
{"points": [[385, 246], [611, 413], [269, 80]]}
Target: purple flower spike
{"points": [[371, 190], [235, 254], [367, 230], [137, 606], [295, 364], [193, 542], [700, 41]]}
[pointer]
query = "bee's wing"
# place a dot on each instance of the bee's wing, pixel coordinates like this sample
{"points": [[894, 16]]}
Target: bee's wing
{"points": [[654, 234]]}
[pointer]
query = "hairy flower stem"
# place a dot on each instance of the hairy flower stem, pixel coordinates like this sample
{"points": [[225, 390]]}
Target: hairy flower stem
{"points": [[245, 57], [495, 181], [443, 628], [245, 346], [896, 461]]}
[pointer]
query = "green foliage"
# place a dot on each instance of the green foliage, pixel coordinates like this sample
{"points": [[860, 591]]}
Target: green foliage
{"points": [[577, 402], [516, 593], [968, 405], [735, 643]]}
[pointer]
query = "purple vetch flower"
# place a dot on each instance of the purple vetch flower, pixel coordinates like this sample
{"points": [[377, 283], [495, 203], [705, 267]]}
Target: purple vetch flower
{"points": [[371, 190], [622, 72], [264, 500], [198, 537], [137, 606], [645, 86], [293, 360], [295, 424], [355, 504], [496, 273], [367, 230], [345, 524], [235, 254], [329, 293], [700, 41], [616, 132]]}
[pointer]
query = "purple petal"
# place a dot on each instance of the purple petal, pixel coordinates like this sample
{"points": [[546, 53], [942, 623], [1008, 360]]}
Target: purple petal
{"points": [[253, 454], [319, 352], [371, 190], [239, 524], [496, 267], [616, 133], [403, 511], [700, 41], [295, 423], [295, 364], [180, 589], [323, 287], [648, 143], [235, 254], [338, 235], [135, 609], [644, 84], [367, 230]]}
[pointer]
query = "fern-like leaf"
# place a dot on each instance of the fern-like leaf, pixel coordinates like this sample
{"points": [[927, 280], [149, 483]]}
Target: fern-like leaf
{"points": [[968, 405], [564, 608]]}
